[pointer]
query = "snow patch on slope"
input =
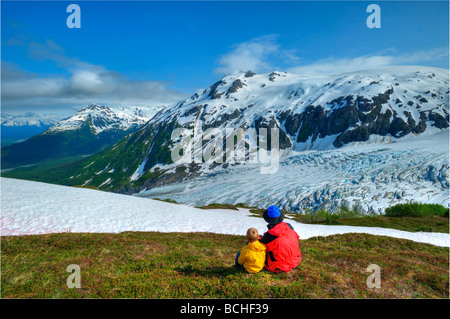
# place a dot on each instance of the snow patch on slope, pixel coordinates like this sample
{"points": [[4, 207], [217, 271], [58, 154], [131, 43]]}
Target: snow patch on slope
{"points": [[39, 208]]}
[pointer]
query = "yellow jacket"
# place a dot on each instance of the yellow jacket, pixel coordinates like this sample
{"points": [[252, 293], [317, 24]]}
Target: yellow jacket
{"points": [[253, 256]]}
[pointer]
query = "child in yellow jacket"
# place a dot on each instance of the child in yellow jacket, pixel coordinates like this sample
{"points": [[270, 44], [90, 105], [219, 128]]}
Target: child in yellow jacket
{"points": [[252, 256]]}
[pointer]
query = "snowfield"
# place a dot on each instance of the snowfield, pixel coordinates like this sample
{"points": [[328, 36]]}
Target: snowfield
{"points": [[37, 208]]}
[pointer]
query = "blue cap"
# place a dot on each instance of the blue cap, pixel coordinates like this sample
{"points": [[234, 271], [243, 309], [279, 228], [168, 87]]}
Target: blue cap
{"points": [[273, 211]]}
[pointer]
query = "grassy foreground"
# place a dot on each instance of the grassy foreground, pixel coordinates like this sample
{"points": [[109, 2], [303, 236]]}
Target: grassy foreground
{"points": [[200, 265]]}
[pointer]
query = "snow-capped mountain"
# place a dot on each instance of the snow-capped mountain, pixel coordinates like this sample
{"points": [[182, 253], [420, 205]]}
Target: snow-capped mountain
{"points": [[323, 113], [29, 119], [90, 130], [102, 118], [342, 108]]}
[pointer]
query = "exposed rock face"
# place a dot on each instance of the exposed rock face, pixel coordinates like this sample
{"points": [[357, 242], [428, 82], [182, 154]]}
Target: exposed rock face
{"points": [[249, 74], [237, 84], [356, 120], [213, 91]]}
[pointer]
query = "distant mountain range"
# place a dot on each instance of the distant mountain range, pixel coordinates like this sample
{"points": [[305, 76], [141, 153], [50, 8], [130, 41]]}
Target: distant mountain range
{"points": [[90, 130], [16, 128], [29, 119]]}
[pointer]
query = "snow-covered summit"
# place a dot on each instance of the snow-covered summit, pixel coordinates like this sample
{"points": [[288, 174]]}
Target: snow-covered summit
{"points": [[410, 90], [101, 118]]}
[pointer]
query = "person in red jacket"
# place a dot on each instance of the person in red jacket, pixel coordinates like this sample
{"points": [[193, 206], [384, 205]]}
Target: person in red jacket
{"points": [[281, 240]]}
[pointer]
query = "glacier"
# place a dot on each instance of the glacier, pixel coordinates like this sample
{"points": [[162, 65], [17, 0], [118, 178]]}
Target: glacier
{"points": [[365, 176]]}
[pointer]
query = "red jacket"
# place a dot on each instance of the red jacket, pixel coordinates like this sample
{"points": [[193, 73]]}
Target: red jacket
{"points": [[283, 251]]}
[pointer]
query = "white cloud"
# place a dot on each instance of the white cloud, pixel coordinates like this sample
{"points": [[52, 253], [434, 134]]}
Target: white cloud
{"points": [[367, 62], [80, 83], [263, 53], [332, 65], [252, 55], [87, 82], [431, 55]]}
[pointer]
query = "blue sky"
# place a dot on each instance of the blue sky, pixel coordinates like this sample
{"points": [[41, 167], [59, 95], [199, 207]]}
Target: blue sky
{"points": [[148, 52]]}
